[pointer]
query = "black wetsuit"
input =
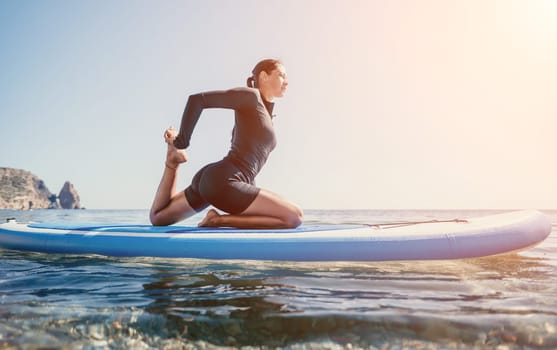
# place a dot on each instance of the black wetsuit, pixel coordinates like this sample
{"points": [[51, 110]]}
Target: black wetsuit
{"points": [[229, 184]]}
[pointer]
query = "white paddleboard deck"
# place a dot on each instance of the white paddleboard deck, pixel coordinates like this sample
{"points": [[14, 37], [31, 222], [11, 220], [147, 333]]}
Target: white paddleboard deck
{"points": [[456, 239]]}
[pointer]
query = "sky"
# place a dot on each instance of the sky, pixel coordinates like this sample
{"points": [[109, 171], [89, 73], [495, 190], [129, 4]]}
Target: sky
{"points": [[430, 104]]}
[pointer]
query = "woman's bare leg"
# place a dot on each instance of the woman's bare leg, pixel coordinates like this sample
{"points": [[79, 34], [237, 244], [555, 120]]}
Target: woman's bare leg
{"points": [[169, 206], [267, 211]]}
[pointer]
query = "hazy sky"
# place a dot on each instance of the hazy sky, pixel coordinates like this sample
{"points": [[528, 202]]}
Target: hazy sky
{"points": [[391, 104]]}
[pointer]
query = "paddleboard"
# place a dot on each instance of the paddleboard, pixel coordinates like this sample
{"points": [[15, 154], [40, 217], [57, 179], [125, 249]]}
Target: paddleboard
{"points": [[435, 239]]}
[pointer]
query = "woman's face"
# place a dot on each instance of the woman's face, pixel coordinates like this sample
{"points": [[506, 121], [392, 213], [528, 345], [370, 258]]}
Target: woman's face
{"points": [[276, 82]]}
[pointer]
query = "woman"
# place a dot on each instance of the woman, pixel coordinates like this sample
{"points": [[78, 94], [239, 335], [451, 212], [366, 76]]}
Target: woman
{"points": [[229, 184]]}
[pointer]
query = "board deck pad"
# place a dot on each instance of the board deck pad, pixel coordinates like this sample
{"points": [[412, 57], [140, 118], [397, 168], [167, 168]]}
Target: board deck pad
{"points": [[448, 239], [182, 229]]}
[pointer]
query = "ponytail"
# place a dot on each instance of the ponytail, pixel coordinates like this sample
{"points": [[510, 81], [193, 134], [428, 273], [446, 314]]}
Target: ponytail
{"points": [[251, 82]]}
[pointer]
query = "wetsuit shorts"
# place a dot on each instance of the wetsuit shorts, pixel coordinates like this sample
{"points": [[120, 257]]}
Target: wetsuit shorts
{"points": [[223, 185]]}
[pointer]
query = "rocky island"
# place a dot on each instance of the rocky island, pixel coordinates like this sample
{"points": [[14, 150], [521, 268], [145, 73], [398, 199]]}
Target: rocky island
{"points": [[22, 190]]}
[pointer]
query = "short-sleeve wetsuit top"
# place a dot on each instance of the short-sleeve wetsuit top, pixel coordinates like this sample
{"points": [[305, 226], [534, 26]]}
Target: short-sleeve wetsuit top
{"points": [[230, 183]]}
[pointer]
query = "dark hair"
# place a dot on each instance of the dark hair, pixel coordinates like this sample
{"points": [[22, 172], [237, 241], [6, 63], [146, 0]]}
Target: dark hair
{"points": [[267, 65]]}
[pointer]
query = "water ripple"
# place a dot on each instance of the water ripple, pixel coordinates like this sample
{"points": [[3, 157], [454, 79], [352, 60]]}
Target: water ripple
{"points": [[97, 302]]}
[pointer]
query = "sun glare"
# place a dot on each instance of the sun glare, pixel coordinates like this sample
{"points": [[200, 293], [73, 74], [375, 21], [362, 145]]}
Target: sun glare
{"points": [[536, 20]]}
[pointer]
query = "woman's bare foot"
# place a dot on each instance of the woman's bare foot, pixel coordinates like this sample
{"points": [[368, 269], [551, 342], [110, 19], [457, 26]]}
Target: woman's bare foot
{"points": [[209, 220], [174, 156]]}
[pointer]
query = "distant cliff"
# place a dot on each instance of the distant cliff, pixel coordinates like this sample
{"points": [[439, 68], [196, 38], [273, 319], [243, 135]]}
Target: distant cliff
{"points": [[22, 190]]}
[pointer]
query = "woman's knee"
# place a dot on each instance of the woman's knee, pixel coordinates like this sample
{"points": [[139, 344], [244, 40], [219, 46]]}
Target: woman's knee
{"points": [[294, 217], [178, 209], [157, 219], [269, 204]]}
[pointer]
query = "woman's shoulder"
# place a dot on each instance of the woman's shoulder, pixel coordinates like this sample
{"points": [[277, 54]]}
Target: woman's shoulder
{"points": [[246, 93], [233, 91], [246, 90], [240, 97]]}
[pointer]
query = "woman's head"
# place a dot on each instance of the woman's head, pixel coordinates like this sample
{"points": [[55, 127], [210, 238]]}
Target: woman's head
{"points": [[269, 76]]}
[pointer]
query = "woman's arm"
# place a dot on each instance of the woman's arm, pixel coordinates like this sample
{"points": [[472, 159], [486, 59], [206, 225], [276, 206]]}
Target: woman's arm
{"points": [[236, 99]]}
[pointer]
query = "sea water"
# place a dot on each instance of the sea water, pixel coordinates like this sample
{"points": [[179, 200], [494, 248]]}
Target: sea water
{"points": [[97, 302]]}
